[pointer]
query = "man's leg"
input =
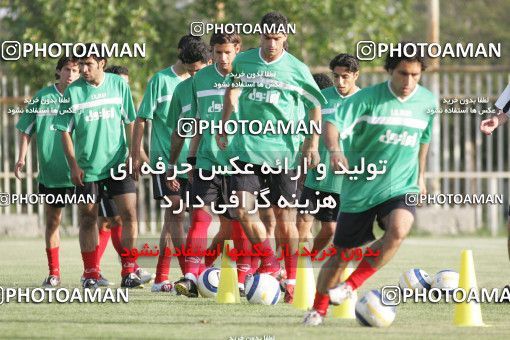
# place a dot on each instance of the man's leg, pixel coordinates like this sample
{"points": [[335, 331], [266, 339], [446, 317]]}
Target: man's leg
{"points": [[224, 233], [399, 223], [52, 238], [88, 236], [324, 236]]}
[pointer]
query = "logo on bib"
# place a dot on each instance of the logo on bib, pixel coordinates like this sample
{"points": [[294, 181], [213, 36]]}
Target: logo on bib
{"points": [[404, 139]]}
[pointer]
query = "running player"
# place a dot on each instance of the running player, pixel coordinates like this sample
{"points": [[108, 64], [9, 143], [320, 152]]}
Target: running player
{"points": [[54, 176], [274, 86], [96, 106], [109, 222], [318, 186], [208, 88], [155, 107], [390, 129]]}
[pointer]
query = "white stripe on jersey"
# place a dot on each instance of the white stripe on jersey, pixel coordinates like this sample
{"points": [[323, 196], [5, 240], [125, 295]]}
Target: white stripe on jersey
{"points": [[166, 98], [97, 102], [402, 121], [207, 93], [186, 108], [267, 81]]}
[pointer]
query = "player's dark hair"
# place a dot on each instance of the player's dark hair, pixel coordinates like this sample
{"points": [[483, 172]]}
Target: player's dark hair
{"points": [[274, 18], [185, 39], [322, 80], [195, 51], [224, 38], [345, 60], [392, 61], [85, 51], [62, 62], [116, 69]]}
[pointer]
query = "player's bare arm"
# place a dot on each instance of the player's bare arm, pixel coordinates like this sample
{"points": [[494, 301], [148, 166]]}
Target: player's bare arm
{"points": [[229, 105], [77, 173], [331, 136], [24, 140]]}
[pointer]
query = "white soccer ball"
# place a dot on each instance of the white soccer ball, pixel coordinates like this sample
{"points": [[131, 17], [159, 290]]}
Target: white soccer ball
{"points": [[415, 279], [372, 313], [446, 280], [208, 282], [262, 289]]}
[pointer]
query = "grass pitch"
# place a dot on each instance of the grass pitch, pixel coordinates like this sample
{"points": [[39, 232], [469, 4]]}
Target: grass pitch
{"points": [[158, 315]]}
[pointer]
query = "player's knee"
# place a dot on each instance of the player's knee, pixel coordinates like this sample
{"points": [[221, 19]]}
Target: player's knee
{"points": [[397, 234], [129, 216]]}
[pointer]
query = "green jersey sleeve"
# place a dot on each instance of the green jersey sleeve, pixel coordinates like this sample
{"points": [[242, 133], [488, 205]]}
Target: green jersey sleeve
{"points": [[27, 121], [65, 118]]}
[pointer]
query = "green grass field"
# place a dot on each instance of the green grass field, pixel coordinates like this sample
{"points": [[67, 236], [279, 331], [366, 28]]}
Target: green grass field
{"points": [[149, 315]]}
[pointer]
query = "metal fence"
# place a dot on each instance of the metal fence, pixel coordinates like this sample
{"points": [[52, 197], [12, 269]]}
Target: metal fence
{"points": [[461, 159]]}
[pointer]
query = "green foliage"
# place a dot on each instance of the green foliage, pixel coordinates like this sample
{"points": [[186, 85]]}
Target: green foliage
{"points": [[324, 28]]}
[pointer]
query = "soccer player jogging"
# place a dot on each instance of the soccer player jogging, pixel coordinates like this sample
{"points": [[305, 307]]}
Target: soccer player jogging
{"points": [[99, 110], [389, 126], [208, 88], [155, 107], [274, 84], [109, 222], [194, 56], [54, 175], [345, 70]]}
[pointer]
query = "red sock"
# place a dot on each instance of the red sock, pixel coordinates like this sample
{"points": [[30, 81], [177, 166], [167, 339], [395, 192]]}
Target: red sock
{"points": [[269, 262], [53, 261], [104, 237], [162, 269], [116, 233], [321, 303], [291, 265], [197, 239], [361, 274], [128, 265], [241, 243], [91, 270]]}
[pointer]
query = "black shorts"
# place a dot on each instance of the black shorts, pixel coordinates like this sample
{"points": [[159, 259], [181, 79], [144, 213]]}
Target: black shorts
{"points": [[107, 208], [279, 185], [324, 214], [107, 188], [356, 229], [160, 189], [55, 192], [215, 190]]}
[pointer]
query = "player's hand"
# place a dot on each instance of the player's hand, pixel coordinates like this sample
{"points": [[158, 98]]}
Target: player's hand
{"points": [[336, 158], [423, 187], [172, 184], [487, 126], [311, 155], [77, 175], [18, 167], [222, 141], [135, 172]]}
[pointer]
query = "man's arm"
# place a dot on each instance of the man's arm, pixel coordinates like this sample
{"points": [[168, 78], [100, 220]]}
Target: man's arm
{"points": [[139, 128], [311, 149], [331, 137], [76, 172], [24, 140], [230, 103], [422, 159]]}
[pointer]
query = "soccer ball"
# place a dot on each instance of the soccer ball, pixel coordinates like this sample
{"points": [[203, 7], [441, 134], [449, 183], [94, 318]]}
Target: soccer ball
{"points": [[372, 313], [262, 289], [415, 279], [446, 280], [208, 282]]}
